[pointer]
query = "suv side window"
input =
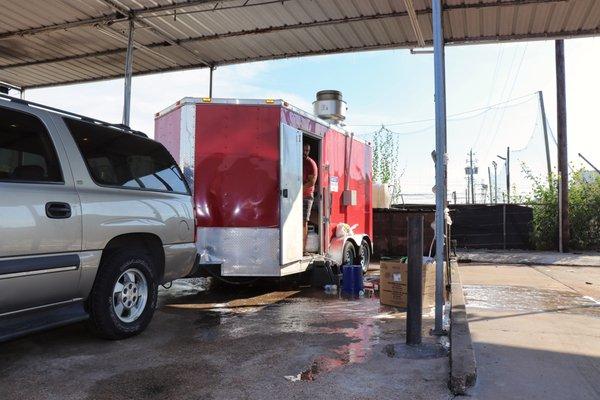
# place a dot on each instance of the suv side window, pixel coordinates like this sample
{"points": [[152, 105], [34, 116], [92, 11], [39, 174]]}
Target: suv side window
{"points": [[26, 150], [119, 159]]}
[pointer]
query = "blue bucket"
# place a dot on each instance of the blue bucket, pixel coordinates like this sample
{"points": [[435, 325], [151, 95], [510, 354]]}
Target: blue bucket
{"points": [[352, 280]]}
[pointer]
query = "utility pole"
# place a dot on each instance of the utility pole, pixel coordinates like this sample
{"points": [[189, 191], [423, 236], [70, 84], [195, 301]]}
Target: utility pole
{"points": [[563, 162], [490, 183], [454, 196], [495, 164], [471, 176], [545, 126]]}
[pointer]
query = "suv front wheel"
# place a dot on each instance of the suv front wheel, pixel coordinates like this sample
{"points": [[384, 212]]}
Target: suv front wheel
{"points": [[124, 295]]}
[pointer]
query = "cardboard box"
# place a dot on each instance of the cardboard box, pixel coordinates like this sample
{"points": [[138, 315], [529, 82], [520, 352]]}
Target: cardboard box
{"points": [[393, 288]]}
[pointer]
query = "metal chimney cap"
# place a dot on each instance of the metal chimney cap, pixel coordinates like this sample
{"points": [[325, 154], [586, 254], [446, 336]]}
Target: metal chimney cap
{"points": [[329, 95]]}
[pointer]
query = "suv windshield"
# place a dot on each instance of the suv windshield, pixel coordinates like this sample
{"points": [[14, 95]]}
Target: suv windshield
{"points": [[120, 159]]}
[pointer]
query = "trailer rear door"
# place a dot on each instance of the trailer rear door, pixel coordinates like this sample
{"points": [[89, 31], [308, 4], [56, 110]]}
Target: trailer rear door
{"points": [[290, 164]]}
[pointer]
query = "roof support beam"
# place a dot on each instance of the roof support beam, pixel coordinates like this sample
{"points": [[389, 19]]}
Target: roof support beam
{"points": [[414, 22], [498, 3], [152, 27], [147, 12], [110, 18], [112, 32], [149, 48], [120, 36]]}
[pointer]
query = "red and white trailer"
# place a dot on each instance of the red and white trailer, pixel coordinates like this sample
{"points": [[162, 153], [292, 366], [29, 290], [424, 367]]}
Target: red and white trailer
{"points": [[243, 160]]}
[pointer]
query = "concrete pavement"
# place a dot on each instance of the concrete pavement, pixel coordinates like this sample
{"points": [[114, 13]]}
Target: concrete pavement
{"points": [[266, 342], [535, 330], [583, 259]]}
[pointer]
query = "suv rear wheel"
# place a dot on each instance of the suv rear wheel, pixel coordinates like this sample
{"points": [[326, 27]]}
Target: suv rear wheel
{"points": [[124, 295]]}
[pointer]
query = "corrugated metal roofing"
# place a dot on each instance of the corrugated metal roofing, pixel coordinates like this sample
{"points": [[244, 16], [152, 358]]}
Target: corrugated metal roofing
{"points": [[50, 42]]}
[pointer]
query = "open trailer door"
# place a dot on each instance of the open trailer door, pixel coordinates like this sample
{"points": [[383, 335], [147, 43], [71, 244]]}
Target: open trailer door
{"points": [[290, 193]]}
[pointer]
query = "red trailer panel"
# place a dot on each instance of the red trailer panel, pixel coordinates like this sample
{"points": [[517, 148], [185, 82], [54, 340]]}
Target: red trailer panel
{"points": [[244, 163], [237, 166]]}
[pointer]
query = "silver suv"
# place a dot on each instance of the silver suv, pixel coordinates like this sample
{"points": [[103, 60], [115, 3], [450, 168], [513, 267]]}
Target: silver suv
{"points": [[93, 217]]}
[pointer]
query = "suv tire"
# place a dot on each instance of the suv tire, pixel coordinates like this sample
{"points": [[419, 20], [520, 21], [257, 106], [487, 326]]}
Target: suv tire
{"points": [[126, 279]]}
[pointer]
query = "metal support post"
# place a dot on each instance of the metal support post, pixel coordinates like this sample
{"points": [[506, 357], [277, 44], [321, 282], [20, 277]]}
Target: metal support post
{"points": [[508, 175], [504, 226], [490, 184], [471, 176], [128, 73], [545, 126], [210, 81], [414, 311], [495, 164], [440, 165], [563, 162]]}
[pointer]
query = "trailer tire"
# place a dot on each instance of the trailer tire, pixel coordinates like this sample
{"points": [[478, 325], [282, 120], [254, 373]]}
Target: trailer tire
{"points": [[348, 254], [133, 271], [364, 252]]}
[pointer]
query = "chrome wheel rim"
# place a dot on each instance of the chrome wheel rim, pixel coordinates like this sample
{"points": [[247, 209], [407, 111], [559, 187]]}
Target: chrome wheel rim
{"points": [[348, 256], [130, 294], [364, 258]]}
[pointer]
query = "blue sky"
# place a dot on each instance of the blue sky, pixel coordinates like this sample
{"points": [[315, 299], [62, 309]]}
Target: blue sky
{"points": [[394, 87]]}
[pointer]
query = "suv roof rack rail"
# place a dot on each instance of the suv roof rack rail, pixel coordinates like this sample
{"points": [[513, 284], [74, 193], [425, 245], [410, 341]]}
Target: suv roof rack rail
{"points": [[120, 127]]}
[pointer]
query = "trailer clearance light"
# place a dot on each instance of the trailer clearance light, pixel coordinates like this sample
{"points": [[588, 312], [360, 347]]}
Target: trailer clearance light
{"points": [[206, 99], [269, 101]]}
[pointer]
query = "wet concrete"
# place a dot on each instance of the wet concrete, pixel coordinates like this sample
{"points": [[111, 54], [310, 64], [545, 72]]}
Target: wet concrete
{"points": [[269, 341], [535, 332]]}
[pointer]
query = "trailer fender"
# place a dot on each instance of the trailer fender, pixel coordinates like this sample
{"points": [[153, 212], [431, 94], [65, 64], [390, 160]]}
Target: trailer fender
{"points": [[336, 246]]}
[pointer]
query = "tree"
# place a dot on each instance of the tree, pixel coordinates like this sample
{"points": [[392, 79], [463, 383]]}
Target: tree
{"points": [[584, 206], [385, 161]]}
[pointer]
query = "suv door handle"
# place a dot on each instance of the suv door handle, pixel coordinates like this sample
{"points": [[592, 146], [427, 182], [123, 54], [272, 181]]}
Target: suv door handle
{"points": [[58, 210]]}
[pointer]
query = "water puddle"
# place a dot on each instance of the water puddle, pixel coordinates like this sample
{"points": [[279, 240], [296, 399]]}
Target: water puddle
{"points": [[519, 298]]}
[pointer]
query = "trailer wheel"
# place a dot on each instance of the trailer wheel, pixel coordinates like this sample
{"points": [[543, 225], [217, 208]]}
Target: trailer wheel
{"points": [[348, 254], [365, 255]]}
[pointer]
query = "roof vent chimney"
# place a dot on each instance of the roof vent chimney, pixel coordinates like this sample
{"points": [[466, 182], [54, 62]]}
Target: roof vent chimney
{"points": [[330, 106]]}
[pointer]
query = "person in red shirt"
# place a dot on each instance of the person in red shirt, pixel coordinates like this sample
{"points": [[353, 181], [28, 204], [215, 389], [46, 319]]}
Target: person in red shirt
{"points": [[309, 179]]}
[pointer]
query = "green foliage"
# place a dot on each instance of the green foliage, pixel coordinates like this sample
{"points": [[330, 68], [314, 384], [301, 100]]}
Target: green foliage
{"points": [[584, 212], [385, 161], [385, 156]]}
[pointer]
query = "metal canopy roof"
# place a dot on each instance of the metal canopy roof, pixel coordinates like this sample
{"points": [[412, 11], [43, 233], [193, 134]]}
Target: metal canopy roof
{"points": [[51, 42]]}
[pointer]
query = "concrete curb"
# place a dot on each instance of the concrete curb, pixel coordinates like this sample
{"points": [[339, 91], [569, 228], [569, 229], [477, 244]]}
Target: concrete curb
{"points": [[463, 369]]}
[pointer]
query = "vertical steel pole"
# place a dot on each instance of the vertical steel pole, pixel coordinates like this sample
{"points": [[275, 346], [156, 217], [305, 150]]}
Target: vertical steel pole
{"points": [[508, 174], [440, 165], [504, 226], [210, 81], [490, 183], [471, 175], [545, 126], [414, 309], [495, 182], [128, 72], [563, 162]]}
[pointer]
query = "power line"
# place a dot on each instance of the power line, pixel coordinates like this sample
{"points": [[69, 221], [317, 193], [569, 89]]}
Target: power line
{"points": [[509, 94], [490, 107], [498, 60], [429, 127]]}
